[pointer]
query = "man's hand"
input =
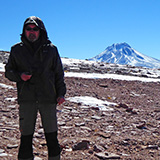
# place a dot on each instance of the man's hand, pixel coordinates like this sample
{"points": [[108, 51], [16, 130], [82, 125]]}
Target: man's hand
{"points": [[60, 100], [25, 77]]}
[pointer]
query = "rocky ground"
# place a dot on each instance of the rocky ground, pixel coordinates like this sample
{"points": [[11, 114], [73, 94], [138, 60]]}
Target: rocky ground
{"points": [[131, 131]]}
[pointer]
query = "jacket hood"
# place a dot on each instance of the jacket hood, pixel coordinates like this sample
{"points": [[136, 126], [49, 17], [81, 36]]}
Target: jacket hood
{"points": [[39, 23]]}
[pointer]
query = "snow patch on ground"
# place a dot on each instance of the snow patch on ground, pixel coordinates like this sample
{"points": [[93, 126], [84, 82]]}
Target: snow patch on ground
{"points": [[10, 99], [92, 102], [6, 86], [2, 67]]}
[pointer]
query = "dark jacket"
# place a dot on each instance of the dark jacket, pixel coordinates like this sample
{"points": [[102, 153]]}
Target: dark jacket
{"points": [[42, 61]]}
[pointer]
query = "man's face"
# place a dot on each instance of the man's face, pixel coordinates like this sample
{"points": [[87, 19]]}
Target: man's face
{"points": [[32, 32]]}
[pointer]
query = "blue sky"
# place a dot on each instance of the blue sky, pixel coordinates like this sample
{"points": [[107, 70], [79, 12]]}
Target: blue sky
{"points": [[82, 29]]}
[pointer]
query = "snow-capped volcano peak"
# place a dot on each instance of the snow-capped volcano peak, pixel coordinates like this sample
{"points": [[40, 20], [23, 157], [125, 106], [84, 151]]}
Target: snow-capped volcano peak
{"points": [[119, 46], [123, 53]]}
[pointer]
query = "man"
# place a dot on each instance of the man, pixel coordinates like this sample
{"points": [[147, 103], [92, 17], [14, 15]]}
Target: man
{"points": [[35, 65]]}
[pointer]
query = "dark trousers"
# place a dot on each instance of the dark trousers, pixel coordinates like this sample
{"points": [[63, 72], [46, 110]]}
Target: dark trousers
{"points": [[27, 120]]}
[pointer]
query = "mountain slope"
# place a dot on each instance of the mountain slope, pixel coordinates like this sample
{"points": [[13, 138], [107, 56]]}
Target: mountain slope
{"points": [[122, 53]]}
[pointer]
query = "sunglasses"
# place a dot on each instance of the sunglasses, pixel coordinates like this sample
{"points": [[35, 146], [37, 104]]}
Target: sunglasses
{"points": [[32, 29]]}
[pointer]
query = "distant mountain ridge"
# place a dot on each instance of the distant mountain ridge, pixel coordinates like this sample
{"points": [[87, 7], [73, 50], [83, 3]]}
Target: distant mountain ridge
{"points": [[123, 53]]}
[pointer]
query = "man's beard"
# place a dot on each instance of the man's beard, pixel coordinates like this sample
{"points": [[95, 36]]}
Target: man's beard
{"points": [[32, 37]]}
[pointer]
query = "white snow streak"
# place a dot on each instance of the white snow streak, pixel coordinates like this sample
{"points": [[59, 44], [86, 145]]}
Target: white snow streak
{"points": [[108, 76]]}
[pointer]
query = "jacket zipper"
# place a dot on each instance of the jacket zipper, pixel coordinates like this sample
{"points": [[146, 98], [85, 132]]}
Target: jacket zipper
{"points": [[53, 87], [22, 88]]}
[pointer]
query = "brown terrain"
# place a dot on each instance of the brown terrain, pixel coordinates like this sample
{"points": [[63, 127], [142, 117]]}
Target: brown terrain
{"points": [[131, 131]]}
